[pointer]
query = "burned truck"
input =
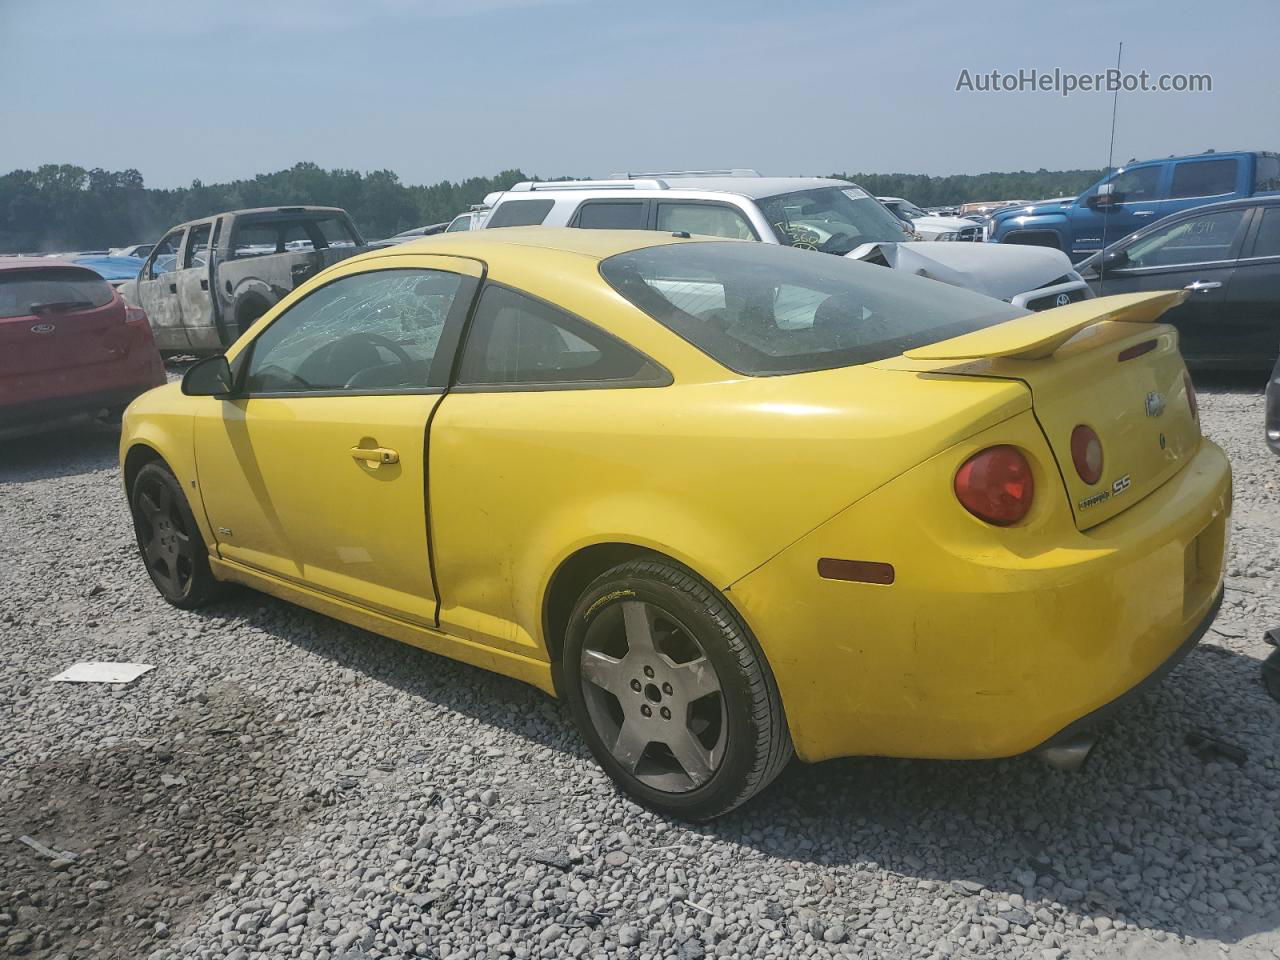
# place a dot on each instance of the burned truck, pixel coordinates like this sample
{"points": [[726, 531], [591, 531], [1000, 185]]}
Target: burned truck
{"points": [[208, 280]]}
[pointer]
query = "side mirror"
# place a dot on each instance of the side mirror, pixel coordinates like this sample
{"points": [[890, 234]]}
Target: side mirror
{"points": [[1115, 258], [210, 377]]}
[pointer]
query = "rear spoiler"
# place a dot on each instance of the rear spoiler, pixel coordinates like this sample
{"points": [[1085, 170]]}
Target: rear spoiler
{"points": [[1038, 335]]}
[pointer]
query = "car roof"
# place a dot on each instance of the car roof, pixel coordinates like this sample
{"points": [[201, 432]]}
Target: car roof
{"points": [[755, 188], [597, 244], [36, 263], [1260, 199], [283, 211]]}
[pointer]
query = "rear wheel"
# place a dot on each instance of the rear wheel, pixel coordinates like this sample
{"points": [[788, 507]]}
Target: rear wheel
{"points": [[169, 540], [671, 692]]}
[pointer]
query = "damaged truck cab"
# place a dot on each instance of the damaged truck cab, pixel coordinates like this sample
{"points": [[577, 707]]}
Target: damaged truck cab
{"points": [[208, 280]]}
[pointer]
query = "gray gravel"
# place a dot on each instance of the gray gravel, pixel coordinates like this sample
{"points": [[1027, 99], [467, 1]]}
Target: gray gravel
{"points": [[282, 785]]}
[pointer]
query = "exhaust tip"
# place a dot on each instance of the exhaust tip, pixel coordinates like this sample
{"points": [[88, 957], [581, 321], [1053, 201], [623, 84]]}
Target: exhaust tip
{"points": [[1069, 754]]}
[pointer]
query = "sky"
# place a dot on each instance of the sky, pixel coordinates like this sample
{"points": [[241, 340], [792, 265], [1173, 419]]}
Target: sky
{"points": [[445, 90]]}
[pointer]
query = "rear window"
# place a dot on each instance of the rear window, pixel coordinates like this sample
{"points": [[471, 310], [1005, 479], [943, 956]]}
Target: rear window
{"points": [[25, 293], [520, 213], [254, 238], [762, 310]]}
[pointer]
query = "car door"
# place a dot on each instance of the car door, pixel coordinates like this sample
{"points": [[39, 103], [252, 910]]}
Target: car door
{"points": [[1195, 251], [192, 280], [507, 458], [1251, 314], [315, 470], [158, 292], [1129, 201]]}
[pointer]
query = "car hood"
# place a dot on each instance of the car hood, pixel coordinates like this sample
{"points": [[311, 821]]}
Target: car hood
{"points": [[1030, 210], [998, 270], [944, 223]]}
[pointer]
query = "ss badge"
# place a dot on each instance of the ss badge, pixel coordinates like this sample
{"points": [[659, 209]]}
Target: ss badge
{"points": [[1120, 486]]}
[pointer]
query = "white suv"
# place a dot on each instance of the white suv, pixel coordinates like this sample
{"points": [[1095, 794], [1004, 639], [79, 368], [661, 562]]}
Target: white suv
{"points": [[831, 216]]}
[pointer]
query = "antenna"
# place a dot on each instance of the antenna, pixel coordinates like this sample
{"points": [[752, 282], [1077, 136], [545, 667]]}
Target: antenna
{"points": [[1111, 151]]}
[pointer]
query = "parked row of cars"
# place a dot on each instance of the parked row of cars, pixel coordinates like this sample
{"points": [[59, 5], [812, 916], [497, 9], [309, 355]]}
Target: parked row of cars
{"points": [[205, 282]]}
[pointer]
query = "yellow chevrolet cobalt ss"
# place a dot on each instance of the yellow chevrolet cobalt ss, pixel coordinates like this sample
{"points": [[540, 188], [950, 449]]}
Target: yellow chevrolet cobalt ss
{"points": [[735, 502]]}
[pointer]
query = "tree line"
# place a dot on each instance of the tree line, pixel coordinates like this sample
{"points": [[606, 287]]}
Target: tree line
{"points": [[62, 207]]}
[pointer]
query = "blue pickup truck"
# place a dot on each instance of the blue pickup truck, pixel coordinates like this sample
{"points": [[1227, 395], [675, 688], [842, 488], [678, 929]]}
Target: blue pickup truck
{"points": [[1133, 197]]}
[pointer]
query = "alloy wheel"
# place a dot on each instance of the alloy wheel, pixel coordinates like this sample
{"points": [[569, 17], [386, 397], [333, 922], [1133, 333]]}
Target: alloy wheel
{"points": [[654, 697], [165, 540]]}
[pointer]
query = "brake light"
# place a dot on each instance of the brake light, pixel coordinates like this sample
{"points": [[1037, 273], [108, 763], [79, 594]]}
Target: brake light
{"points": [[134, 315], [1086, 453], [1192, 401], [996, 485]]}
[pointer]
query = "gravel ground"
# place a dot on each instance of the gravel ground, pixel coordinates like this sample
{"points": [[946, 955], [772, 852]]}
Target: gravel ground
{"points": [[282, 785]]}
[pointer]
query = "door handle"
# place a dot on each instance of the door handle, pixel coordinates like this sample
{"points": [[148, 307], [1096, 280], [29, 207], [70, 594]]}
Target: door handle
{"points": [[204, 284], [173, 288], [1144, 213], [1201, 285], [375, 455]]}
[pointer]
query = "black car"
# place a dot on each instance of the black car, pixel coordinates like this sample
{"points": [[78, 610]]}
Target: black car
{"points": [[1227, 255]]}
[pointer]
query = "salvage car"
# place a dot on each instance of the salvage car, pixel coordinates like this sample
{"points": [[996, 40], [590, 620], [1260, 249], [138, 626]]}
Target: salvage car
{"points": [[70, 348], [928, 226], [1227, 257], [207, 281], [731, 500], [810, 213]]}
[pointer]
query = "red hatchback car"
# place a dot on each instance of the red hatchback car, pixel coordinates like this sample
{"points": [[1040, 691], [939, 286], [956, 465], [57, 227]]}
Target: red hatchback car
{"points": [[70, 348]]}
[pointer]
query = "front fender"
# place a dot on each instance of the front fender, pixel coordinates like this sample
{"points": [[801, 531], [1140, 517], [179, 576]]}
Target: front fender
{"points": [[163, 427]]}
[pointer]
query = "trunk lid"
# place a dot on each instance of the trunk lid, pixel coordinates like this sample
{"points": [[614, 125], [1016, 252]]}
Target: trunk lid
{"points": [[58, 317], [1101, 363]]}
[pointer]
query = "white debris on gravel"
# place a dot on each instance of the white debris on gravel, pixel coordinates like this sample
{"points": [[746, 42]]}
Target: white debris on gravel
{"points": [[287, 786]]}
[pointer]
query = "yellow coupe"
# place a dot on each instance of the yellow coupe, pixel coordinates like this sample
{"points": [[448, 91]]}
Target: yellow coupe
{"points": [[734, 501]]}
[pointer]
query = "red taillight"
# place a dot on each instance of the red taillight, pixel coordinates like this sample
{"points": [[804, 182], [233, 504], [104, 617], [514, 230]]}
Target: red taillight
{"points": [[1192, 401], [134, 315], [1086, 453], [996, 485]]}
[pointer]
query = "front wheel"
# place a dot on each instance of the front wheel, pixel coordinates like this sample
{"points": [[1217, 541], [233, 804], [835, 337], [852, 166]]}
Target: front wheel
{"points": [[169, 540], [671, 692]]}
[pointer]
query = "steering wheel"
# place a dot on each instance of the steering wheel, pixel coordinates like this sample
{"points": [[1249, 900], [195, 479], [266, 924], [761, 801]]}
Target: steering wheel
{"points": [[374, 340], [837, 241]]}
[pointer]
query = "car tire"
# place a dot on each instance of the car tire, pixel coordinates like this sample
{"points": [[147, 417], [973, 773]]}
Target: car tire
{"points": [[169, 541], [671, 691]]}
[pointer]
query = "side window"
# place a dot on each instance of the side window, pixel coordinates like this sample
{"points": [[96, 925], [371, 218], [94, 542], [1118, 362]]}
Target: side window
{"points": [[197, 254], [1267, 243], [1266, 175], [520, 213], [255, 239], [516, 339], [612, 215], [164, 257], [1204, 178], [370, 331], [708, 219], [461, 222], [334, 232], [1137, 185], [1198, 239]]}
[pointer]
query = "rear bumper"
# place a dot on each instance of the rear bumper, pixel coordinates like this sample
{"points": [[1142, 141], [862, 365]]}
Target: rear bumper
{"points": [[1091, 721], [989, 642]]}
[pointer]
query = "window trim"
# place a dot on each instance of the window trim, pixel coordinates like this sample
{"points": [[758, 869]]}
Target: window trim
{"points": [[448, 345], [662, 377]]}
